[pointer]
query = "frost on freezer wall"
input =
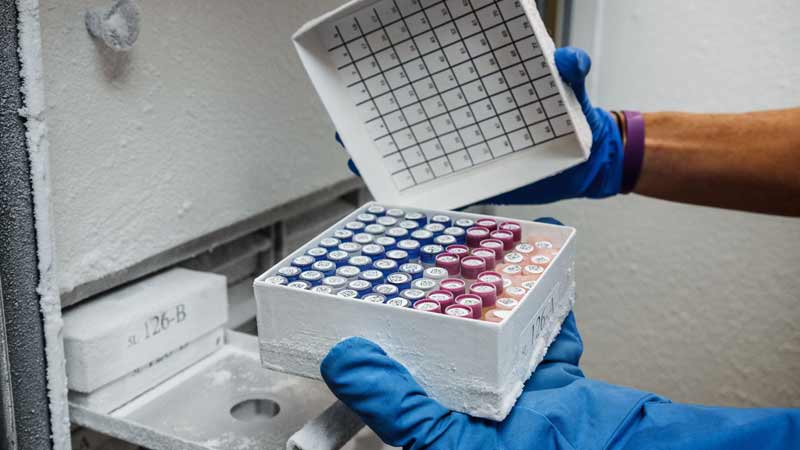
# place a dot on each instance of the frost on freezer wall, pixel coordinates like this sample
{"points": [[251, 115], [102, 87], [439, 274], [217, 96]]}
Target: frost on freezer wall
{"points": [[34, 113], [697, 304], [206, 121]]}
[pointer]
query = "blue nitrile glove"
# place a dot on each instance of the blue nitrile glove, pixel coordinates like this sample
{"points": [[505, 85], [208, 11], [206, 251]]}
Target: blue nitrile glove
{"points": [[558, 409], [598, 177]]}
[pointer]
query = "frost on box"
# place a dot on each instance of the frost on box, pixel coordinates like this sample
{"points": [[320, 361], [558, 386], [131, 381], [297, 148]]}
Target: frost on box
{"points": [[469, 304], [432, 97]]}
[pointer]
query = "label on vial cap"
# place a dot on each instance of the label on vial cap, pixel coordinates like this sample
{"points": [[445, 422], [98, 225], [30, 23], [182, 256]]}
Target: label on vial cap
{"points": [[395, 212], [469, 301], [413, 294], [303, 261], [322, 290], [375, 228], [507, 283], [359, 285], [412, 268], [415, 216], [372, 249], [408, 244], [501, 314], [440, 218], [440, 297], [436, 273], [540, 259], [387, 221], [386, 289], [299, 285], [374, 298], [359, 261], [484, 253], [464, 223], [457, 249], [514, 258], [338, 255], [425, 284], [399, 302], [348, 271], [363, 238], [371, 275], [385, 264], [458, 311], [524, 248], [324, 266], [512, 269], [354, 226], [426, 306], [452, 284], [445, 239], [447, 258], [432, 249], [408, 225], [350, 247], [533, 269], [421, 235], [376, 209], [276, 280], [311, 275], [397, 254], [329, 242], [349, 293], [473, 262], [482, 288], [516, 291], [385, 241], [530, 284], [544, 244], [343, 235], [490, 278], [435, 228], [399, 277], [397, 232], [317, 252], [335, 281], [366, 218], [289, 271], [507, 303]]}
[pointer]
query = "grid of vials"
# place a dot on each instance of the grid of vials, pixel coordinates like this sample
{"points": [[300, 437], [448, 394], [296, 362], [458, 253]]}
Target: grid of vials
{"points": [[442, 86], [475, 269]]}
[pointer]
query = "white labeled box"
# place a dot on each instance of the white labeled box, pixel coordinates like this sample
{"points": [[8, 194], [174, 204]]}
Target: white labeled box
{"points": [[471, 366], [433, 97], [113, 335]]}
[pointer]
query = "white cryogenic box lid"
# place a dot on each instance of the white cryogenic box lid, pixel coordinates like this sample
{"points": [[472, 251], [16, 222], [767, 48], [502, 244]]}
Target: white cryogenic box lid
{"points": [[444, 103]]}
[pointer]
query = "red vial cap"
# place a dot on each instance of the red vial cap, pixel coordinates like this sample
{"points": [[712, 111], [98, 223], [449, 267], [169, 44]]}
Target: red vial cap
{"points": [[488, 255], [444, 298], [473, 302], [495, 245], [475, 235], [458, 311], [454, 286], [514, 227], [506, 237], [458, 250], [493, 278], [472, 266], [449, 262], [486, 291], [487, 222], [428, 306]]}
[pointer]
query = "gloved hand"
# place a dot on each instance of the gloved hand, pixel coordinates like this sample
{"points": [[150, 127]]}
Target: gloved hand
{"points": [[558, 409], [598, 177]]}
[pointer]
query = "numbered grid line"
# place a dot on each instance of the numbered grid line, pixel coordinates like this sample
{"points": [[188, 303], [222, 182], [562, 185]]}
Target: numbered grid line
{"points": [[365, 87], [478, 123], [424, 112], [431, 30], [533, 86], [517, 151]]}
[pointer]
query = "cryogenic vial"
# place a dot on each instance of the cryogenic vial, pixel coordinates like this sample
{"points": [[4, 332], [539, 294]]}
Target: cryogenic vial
{"points": [[377, 210], [397, 213], [436, 273], [459, 311], [317, 252], [464, 223], [456, 232], [327, 268], [277, 280], [303, 262], [424, 284], [374, 251], [493, 278], [386, 266], [366, 218], [349, 272], [475, 235], [448, 262], [514, 227], [291, 273], [427, 254], [435, 228], [360, 286], [471, 267], [411, 247], [389, 290], [338, 257], [412, 295], [420, 218], [399, 279], [373, 276], [335, 282], [506, 303], [299, 284], [524, 248], [473, 302], [445, 240], [487, 292], [362, 262], [506, 237], [444, 298], [322, 289], [516, 292], [399, 302], [312, 276], [355, 227], [398, 256], [424, 237], [497, 246], [387, 242], [458, 250], [409, 225], [512, 270], [397, 233], [363, 238], [347, 293], [445, 221], [351, 248], [374, 298], [413, 269], [487, 255], [486, 222], [513, 258], [540, 260], [375, 229], [387, 221], [454, 285], [331, 243], [343, 235], [428, 306]]}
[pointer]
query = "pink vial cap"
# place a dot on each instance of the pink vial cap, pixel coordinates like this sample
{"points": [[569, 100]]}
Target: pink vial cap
{"points": [[458, 250], [491, 224], [428, 306], [488, 255], [475, 235], [514, 227], [473, 302], [493, 278], [449, 262], [442, 297], [486, 291], [472, 266], [454, 286], [506, 237], [495, 245], [459, 311]]}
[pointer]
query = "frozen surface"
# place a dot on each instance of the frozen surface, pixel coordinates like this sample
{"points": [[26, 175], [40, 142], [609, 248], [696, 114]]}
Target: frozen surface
{"points": [[328, 431]]}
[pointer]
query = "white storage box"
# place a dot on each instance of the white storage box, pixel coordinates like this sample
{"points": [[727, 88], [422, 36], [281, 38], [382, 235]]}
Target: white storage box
{"points": [[432, 97], [471, 366]]}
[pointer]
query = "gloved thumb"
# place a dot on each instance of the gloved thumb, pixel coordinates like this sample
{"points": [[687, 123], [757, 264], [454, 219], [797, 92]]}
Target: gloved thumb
{"points": [[388, 399], [574, 65], [350, 164]]}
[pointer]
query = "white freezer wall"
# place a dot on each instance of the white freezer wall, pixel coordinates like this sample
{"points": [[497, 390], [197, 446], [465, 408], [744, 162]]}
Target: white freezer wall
{"points": [[208, 121], [698, 304]]}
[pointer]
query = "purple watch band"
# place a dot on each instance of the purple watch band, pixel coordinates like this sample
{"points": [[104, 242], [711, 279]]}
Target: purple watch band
{"points": [[634, 150]]}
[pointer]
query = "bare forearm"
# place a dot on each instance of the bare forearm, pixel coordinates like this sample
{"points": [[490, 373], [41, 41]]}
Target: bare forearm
{"points": [[747, 161]]}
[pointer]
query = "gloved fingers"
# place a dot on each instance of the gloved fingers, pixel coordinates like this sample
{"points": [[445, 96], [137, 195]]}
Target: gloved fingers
{"points": [[388, 399], [350, 164], [574, 65], [548, 220], [560, 365]]}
